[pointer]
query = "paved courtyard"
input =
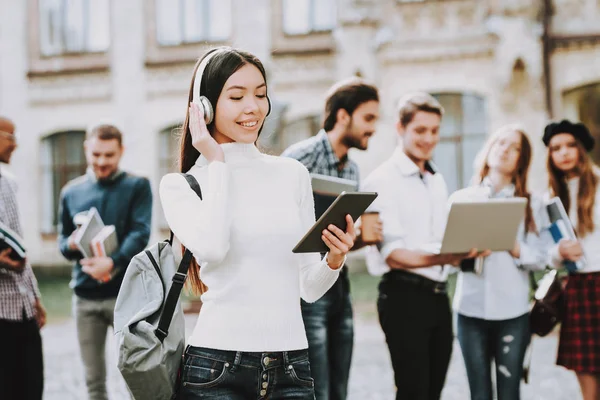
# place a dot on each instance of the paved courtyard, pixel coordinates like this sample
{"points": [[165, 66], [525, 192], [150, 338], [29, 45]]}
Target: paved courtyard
{"points": [[371, 375]]}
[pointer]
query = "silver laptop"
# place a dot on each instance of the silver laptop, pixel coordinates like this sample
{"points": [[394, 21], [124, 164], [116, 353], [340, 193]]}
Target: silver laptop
{"points": [[485, 225]]}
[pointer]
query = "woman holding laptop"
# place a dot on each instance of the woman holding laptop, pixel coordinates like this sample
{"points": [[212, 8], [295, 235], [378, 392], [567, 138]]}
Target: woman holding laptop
{"points": [[492, 299], [573, 177]]}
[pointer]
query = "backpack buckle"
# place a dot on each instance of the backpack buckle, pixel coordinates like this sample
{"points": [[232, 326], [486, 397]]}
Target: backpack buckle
{"points": [[179, 278]]}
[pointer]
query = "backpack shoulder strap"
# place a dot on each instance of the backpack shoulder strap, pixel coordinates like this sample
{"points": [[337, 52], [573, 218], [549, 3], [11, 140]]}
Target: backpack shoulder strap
{"points": [[178, 280], [195, 186]]}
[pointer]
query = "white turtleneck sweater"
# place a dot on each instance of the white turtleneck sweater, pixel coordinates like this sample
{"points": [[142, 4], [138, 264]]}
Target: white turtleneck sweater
{"points": [[255, 209], [589, 242]]}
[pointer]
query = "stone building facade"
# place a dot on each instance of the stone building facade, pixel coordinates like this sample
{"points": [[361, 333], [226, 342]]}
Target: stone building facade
{"points": [[66, 64]]}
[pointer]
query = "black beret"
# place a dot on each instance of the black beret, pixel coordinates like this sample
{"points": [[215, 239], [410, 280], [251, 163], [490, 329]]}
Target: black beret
{"points": [[578, 130]]}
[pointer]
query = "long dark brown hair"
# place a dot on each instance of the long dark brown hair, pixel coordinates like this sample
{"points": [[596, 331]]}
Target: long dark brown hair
{"points": [[588, 183], [219, 69], [519, 178]]}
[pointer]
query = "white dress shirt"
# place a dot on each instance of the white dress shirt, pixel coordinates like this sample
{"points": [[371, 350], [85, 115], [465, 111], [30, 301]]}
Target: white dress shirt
{"points": [[501, 291], [590, 242], [413, 209]]}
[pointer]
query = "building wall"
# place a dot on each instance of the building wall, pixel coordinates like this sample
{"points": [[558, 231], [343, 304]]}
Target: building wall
{"points": [[490, 48]]}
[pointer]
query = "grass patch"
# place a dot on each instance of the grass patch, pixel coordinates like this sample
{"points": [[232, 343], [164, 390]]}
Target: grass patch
{"points": [[56, 297]]}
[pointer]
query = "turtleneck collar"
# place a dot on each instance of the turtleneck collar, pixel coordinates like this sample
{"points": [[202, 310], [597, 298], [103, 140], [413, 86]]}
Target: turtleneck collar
{"points": [[235, 152]]}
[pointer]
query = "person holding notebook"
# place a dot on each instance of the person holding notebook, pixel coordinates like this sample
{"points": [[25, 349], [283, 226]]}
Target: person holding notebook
{"points": [[123, 200], [573, 177], [351, 114], [249, 340], [413, 306], [492, 300], [21, 312]]}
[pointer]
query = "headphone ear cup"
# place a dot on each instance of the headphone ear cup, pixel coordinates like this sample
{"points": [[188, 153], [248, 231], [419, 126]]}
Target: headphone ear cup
{"points": [[207, 108], [269, 101]]}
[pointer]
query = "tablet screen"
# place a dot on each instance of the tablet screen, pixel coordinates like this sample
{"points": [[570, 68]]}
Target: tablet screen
{"points": [[354, 203]]}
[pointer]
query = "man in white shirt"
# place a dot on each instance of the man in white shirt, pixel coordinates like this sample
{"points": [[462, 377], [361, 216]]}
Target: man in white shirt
{"points": [[414, 310]]}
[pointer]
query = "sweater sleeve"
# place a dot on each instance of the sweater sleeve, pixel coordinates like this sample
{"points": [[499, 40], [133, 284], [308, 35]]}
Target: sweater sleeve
{"points": [[202, 226], [315, 275], [65, 229], [136, 239]]}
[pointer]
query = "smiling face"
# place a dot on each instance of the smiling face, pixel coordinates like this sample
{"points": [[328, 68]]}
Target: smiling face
{"points": [[103, 156], [420, 136], [361, 125], [242, 107]]}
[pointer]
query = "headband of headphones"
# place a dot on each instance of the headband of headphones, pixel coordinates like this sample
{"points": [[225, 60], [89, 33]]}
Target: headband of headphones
{"points": [[200, 73]]}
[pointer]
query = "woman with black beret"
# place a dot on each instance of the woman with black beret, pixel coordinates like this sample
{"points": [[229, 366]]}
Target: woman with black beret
{"points": [[574, 178]]}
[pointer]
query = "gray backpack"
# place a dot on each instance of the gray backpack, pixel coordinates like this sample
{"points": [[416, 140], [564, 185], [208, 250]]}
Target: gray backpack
{"points": [[149, 324]]}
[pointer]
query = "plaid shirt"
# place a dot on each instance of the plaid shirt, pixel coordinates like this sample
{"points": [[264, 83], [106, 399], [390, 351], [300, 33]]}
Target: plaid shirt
{"points": [[318, 157], [18, 290]]}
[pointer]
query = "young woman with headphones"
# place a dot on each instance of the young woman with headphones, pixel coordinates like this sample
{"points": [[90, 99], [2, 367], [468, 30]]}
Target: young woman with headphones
{"points": [[249, 341]]}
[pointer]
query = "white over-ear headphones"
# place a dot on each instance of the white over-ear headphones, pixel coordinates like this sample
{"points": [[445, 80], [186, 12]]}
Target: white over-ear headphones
{"points": [[202, 101]]}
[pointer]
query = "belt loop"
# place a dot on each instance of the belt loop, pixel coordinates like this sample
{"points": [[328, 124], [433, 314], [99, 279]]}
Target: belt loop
{"points": [[286, 360], [236, 361]]}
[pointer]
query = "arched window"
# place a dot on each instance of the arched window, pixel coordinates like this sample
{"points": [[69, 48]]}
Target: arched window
{"points": [[62, 159], [462, 134]]}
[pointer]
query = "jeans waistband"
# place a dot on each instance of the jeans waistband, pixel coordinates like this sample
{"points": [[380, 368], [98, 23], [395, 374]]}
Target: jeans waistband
{"points": [[263, 360], [415, 280]]}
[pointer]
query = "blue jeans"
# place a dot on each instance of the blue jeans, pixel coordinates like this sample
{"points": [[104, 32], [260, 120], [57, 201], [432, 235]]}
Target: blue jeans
{"points": [[234, 375], [504, 342], [330, 333]]}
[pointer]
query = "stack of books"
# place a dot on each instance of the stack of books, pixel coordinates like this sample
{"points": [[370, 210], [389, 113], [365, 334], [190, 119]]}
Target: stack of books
{"points": [[93, 238], [10, 240], [560, 228]]}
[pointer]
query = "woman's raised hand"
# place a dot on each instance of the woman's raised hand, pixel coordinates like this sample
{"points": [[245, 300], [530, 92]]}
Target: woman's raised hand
{"points": [[339, 243], [201, 138]]}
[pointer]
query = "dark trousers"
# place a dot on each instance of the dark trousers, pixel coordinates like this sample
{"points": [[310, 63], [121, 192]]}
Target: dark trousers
{"points": [[504, 342], [417, 324], [21, 360], [330, 333]]}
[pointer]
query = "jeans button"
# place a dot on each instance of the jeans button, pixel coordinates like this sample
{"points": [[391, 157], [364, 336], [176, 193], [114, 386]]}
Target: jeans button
{"points": [[265, 376], [263, 392], [264, 385], [266, 361]]}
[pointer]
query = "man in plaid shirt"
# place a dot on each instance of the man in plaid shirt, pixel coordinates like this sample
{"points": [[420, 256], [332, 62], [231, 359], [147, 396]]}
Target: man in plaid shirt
{"points": [[351, 112], [21, 312]]}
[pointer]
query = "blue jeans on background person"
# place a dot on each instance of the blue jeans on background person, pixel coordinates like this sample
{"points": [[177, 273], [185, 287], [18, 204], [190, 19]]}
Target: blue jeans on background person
{"points": [[237, 375], [504, 342], [330, 332]]}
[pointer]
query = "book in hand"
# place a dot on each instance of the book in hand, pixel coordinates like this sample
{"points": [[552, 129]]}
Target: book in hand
{"points": [[93, 238], [10, 240], [561, 228], [105, 242]]}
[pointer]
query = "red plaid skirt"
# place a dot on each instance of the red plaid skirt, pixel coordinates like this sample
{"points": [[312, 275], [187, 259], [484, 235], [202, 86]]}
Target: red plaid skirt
{"points": [[579, 346]]}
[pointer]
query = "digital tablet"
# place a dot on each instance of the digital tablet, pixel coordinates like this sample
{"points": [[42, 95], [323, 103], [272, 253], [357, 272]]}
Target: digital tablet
{"points": [[354, 203], [485, 225]]}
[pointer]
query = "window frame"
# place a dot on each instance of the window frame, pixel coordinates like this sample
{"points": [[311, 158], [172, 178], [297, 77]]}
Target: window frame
{"points": [[314, 42], [50, 169], [158, 55], [41, 65], [458, 138]]}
